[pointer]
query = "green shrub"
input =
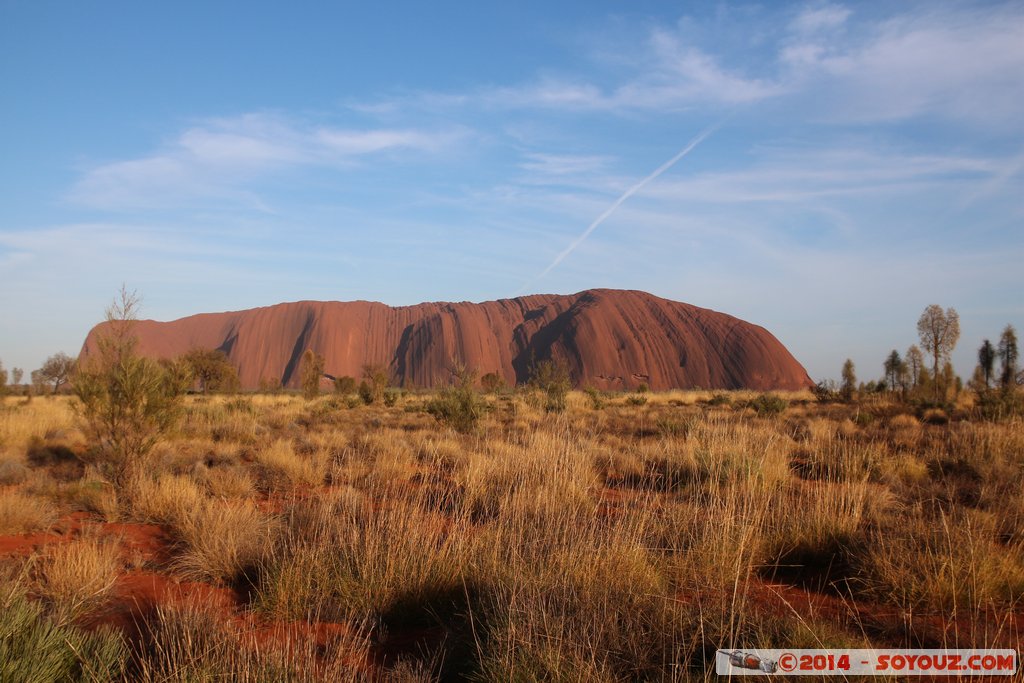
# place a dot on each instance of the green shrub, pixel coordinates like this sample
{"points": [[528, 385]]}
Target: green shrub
{"points": [[374, 385], [552, 379], [637, 400], [596, 400], [769, 405], [34, 649], [126, 401], [492, 382], [345, 385], [459, 406]]}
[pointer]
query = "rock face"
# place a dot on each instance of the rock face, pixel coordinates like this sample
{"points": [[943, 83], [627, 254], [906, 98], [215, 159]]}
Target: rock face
{"points": [[609, 339]]}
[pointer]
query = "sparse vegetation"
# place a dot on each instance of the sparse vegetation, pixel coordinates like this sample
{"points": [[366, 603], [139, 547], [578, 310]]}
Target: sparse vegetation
{"points": [[621, 544], [312, 373], [552, 380], [212, 370], [127, 401], [57, 370], [459, 406]]}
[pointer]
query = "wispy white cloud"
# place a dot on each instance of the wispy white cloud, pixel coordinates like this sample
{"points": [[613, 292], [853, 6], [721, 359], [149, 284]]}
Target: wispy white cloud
{"points": [[955, 64], [828, 63], [798, 175], [814, 19], [215, 159], [562, 165]]}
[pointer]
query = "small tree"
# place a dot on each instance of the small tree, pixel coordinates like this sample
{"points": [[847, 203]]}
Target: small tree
{"points": [[16, 375], [849, 381], [312, 371], [986, 363], [939, 332], [125, 400], [893, 370], [3, 380], [345, 385], [458, 406], [553, 379], [914, 360], [270, 386], [1008, 357], [492, 382], [39, 382], [212, 369], [375, 383], [57, 369]]}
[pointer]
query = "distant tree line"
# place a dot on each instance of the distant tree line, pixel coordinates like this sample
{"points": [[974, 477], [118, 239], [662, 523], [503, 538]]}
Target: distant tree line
{"points": [[925, 374]]}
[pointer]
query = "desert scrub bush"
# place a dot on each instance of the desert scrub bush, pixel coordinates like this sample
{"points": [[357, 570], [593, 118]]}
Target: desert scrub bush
{"points": [[127, 402], [597, 401], [192, 642], [20, 513], [280, 466], [769, 405], [719, 399], [459, 406], [636, 400], [33, 649], [552, 380], [76, 578], [671, 427], [93, 494], [224, 541], [374, 384], [12, 470]]}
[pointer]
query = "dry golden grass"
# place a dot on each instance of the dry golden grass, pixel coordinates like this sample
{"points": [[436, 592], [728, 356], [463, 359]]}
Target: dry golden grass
{"points": [[170, 499], [21, 421], [20, 513], [193, 642], [617, 542], [77, 578], [281, 467], [223, 541], [227, 482]]}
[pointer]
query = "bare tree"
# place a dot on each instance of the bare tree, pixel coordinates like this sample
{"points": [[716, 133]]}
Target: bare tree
{"points": [[1008, 357], [16, 375], [939, 332], [57, 369]]}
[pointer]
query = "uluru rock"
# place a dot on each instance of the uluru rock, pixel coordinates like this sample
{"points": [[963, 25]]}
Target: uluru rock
{"points": [[609, 339]]}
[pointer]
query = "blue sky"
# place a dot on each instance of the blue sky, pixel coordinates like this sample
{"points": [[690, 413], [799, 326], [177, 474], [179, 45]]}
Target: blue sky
{"points": [[853, 162]]}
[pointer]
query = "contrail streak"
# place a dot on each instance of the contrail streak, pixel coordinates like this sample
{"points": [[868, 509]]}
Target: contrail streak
{"points": [[618, 202]]}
